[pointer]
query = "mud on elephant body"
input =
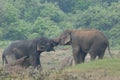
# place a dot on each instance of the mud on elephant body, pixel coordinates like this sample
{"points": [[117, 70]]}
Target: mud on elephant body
{"points": [[84, 41], [31, 49]]}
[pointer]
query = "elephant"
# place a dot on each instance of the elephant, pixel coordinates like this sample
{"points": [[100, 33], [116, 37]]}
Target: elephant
{"points": [[84, 41], [30, 49]]}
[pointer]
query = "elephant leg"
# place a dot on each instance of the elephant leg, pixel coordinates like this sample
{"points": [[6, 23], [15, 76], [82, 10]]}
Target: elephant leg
{"points": [[76, 55], [10, 59], [94, 51], [93, 57], [101, 52], [79, 55], [100, 56], [82, 57], [93, 54], [98, 50], [38, 62]]}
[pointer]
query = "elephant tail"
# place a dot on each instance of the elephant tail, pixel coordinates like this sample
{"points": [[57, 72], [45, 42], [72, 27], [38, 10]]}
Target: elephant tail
{"points": [[4, 60], [110, 51]]}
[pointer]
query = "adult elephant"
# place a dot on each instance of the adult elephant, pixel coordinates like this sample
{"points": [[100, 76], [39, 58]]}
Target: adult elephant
{"points": [[84, 41], [30, 49]]}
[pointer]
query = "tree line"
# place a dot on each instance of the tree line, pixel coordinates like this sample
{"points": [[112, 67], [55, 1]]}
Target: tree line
{"points": [[26, 19]]}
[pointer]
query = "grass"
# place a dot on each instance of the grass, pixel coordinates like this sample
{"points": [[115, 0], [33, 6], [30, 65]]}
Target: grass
{"points": [[109, 66], [100, 64], [106, 69]]}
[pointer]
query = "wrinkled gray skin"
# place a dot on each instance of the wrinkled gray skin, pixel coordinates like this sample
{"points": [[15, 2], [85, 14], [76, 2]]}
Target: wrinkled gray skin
{"points": [[27, 48], [84, 41]]}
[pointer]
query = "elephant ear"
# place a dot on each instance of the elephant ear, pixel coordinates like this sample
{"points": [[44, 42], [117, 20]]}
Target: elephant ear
{"points": [[67, 37]]}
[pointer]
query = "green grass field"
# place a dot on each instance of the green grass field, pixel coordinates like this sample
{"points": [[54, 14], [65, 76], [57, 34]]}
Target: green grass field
{"points": [[106, 69]]}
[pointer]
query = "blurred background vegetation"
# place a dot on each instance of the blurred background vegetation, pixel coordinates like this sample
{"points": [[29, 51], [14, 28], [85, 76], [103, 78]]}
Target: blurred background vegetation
{"points": [[27, 19]]}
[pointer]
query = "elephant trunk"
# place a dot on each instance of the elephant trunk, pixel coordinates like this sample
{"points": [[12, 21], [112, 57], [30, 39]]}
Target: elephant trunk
{"points": [[56, 41]]}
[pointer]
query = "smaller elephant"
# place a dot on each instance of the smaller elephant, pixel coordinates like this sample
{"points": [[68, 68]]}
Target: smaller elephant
{"points": [[31, 49], [84, 41]]}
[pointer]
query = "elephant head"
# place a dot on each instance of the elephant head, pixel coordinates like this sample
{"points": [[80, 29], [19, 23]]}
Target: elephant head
{"points": [[64, 38], [44, 44]]}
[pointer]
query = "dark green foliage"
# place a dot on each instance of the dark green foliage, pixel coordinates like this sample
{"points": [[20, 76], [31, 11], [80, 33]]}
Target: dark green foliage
{"points": [[45, 27], [26, 19], [8, 14], [13, 35]]}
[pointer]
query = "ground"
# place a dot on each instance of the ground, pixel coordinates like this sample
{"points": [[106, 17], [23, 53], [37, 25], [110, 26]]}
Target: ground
{"points": [[52, 60]]}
